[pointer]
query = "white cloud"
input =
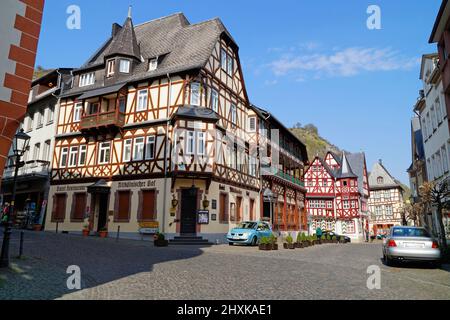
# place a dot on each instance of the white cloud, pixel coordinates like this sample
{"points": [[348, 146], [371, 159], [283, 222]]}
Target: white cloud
{"points": [[344, 62]]}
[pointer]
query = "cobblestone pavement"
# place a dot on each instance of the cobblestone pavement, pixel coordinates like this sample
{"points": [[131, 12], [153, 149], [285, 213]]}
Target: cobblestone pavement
{"points": [[136, 270]]}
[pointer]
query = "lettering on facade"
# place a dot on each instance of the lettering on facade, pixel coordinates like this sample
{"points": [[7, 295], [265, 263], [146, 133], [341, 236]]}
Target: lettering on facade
{"points": [[234, 190], [137, 184], [70, 188]]}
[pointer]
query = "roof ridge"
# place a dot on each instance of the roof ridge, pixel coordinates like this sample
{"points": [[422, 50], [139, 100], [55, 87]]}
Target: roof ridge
{"points": [[161, 18]]}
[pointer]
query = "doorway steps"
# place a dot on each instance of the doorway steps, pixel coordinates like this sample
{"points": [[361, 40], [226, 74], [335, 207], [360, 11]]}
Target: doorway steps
{"points": [[189, 240]]}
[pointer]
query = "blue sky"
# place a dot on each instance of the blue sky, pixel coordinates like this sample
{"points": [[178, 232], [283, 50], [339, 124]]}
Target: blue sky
{"points": [[306, 61]]}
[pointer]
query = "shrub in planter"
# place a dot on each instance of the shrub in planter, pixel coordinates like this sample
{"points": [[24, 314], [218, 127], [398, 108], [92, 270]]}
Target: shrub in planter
{"points": [[264, 244], [273, 242], [299, 243], [289, 242], [103, 233], [310, 240], [334, 239], [159, 240], [86, 230], [304, 240]]}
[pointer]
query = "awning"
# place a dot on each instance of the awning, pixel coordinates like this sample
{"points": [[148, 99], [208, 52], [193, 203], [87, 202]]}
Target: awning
{"points": [[101, 91], [101, 186]]}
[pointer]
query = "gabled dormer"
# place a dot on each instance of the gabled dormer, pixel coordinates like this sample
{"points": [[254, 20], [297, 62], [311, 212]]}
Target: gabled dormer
{"points": [[123, 52]]}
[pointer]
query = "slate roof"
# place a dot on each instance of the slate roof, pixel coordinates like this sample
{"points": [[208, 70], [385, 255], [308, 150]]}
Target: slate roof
{"points": [[184, 46], [193, 112], [378, 170]]}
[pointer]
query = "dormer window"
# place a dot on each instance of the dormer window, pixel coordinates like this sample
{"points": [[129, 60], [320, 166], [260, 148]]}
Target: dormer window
{"points": [[153, 64], [124, 66], [87, 79], [110, 67], [195, 94]]}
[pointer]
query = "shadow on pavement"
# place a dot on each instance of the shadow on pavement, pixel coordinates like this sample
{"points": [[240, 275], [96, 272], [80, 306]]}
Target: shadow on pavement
{"points": [[42, 273]]}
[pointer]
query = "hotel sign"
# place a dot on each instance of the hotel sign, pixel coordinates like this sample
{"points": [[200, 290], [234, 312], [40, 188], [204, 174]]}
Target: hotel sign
{"points": [[70, 188], [137, 184]]}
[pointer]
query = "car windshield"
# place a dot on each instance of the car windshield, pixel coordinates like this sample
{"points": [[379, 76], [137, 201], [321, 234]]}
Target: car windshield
{"points": [[246, 225], [410, 232]]}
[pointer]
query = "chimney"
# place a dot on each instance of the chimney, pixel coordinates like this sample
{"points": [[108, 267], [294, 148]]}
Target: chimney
{"points": [[129, 12], [115, 29]]}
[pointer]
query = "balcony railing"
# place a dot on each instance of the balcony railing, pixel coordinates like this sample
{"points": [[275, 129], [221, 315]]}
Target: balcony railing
{"points": [[36, 167], [290, 178], [105, 119]]}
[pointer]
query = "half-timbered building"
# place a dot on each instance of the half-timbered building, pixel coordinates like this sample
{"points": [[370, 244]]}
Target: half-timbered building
{"points": [[337, 192], [156, 134], [386, 200]]}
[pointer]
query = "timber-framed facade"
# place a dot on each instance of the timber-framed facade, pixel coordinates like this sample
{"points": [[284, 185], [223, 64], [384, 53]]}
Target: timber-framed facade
{"points": [[157, 127]]}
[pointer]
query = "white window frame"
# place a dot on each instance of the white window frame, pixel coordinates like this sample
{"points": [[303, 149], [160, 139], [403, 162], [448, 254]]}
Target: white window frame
{"points": [[142, 101], [190, 142], [73, 157], [110, 66], [124, 66], [86, 79], [214, 100], [104, 149], [50, 114], [83, 151], [230, 64], [127, 150], [223, 59], [195, 93], [78, 110], [64, 155], [139, 147], [153, 64], [46, 150], [444, 158], [150, 143], [40, 119], [37, 151], [201, 143]]}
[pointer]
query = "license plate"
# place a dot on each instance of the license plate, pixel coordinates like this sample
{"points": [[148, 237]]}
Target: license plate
{"points": [[414, 245]]}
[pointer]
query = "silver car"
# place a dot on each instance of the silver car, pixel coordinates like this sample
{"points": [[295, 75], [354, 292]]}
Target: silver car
{"points": [[410, 244]]}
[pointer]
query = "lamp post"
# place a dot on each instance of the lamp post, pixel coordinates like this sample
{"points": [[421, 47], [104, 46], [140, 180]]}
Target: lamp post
{"points": [[20, 145]]}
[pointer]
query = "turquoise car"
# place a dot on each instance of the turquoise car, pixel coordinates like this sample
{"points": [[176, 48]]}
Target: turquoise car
{"points": [[249, 233]]}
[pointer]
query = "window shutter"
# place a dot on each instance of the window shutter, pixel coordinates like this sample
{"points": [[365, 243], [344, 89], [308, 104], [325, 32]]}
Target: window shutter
{"points": [[148, 205]]}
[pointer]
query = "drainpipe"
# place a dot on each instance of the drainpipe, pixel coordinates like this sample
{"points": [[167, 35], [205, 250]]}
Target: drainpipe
{"points": [[165, 155]]}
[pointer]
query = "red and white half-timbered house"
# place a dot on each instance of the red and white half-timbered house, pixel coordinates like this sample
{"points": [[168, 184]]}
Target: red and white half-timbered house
{"points": [[337, 194], [156, 133]]}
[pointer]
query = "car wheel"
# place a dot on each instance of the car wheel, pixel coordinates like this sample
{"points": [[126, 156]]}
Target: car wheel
{"points": [[436, 264], [230, 243], [387, 260], [254, 241]]}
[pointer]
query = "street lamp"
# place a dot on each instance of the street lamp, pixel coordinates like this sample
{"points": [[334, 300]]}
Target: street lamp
{"points": [[20, 145]]}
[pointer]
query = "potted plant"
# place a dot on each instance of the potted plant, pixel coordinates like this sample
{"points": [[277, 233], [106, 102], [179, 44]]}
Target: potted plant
{"points": [[316, 239], [86, 230], [299, 243], [304, 240], [289, 242], [310, 240], [103, 232], [160, 240], [264, 244], [334, 239], [274, 242]]}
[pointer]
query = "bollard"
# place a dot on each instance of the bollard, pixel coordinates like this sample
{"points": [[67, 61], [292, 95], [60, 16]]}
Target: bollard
{"points": [[57, 225], [21, 244], [118, 233]]}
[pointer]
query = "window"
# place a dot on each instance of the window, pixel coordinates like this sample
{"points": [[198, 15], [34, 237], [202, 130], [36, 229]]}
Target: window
{"points": [[190, 142], [444, 158], [389, 211], [64, 154], [148, 205], [123, 206], [201, 143], [104, 152], [82, 157], [124, 66], [346, 204], [94, 108], [223, 59], [150, 148], [30, 122], [223, 207], [37, 151], [78, 206], [214, 100], [378, 211], [429, 125], [152, 64], [122, 105], [138, 153], [195, 94], [142, 100], [233, 114], [387, 195], [87, 79], [329, 204], [230, 64], [380, 180], [424, 129], [433, 117], [438, 110], [429, 169], [73, 156], [40, 119], [50, 114], [252, 124], [126, 156], [350, 226], [46, 151], [59, 207], [77, 112], [110, 68], [253, 166]]}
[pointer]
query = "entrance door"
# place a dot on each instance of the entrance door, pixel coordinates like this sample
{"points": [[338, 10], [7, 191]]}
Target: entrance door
{"points": [[188, 211], [102, 211]]}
